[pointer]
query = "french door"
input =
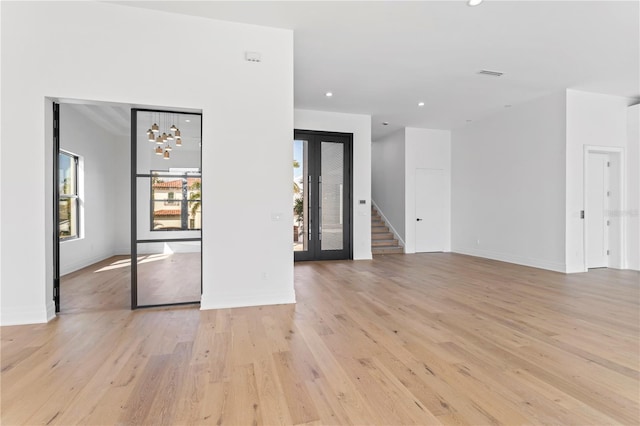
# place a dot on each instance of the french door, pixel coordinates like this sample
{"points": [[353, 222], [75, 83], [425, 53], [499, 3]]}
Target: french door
{"points": [[322, 202]]}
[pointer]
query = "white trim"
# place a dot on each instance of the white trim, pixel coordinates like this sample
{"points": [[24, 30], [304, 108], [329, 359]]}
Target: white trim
{"points": [[25, 315], [518, 260], [234, 301], [620, 183], [386, 221]]}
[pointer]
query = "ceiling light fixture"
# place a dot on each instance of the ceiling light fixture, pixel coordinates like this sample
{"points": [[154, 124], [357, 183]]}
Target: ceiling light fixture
{"points": [[173, 133], [420, 104], [474, 2], [385, 123], [328, 94]]}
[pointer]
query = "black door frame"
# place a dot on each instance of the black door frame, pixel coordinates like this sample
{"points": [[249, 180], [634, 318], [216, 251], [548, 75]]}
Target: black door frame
{"points": [[314, 138], [134, 213], [56, 208]]}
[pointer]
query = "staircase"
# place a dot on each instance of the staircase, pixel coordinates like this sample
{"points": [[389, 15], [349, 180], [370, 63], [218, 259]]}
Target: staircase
{"points": [[382, 240]]}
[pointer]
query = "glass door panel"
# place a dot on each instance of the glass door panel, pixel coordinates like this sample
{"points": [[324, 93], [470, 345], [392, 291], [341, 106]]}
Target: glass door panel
{"points": [[300, 195], [331, 196], [168, 273], [167, 208]]}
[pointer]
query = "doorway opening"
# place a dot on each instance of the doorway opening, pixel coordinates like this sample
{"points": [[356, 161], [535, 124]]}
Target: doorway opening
{"points": [[603, 202], [91, 206], [322, 202]]}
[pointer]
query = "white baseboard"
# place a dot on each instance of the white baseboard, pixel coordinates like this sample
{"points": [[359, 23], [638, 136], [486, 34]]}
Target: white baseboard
{"points": [[386, 221], [518, 260], [24, 315], [235, 301]]}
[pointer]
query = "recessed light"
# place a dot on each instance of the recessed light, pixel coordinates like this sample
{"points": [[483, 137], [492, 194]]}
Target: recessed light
{"points": [[328, 94], [507, 106], [385, 123], [420, 103], [474, 2], [187, 120]]}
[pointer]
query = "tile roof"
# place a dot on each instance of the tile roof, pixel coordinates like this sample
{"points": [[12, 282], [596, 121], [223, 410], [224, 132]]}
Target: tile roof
{"points": [[177, 183], [167, 212]]}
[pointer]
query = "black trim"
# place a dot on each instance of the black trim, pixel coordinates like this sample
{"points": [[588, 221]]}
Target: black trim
{"points": [[134, 200], [170, 240], [134, 212], [56, 207], [167, 305], [314, 139]]}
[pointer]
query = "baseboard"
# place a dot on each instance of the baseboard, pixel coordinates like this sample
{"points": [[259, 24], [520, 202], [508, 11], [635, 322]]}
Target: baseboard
{"points": [[234, 301], [518, 260], [76, 266], [51, 310], [386, 221], [24, 315]]}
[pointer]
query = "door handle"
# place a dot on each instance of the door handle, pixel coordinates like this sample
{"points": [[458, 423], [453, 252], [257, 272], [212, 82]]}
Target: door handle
{"points": [[418, 219]]}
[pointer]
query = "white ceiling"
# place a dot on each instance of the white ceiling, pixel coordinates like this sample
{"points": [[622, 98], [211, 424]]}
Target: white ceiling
{"points": [[383, 57]]}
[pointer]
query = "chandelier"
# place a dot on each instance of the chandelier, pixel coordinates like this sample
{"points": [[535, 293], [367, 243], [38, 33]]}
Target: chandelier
{"points": [[163, 139]]}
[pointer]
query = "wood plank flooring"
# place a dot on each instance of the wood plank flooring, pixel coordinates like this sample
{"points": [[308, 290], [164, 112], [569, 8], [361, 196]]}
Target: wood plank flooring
{"points": [[403, 339]]}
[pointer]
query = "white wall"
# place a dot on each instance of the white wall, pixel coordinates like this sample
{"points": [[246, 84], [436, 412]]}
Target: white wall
{"points": [[592, 120], [360, 126], [632, 212], [425, 149], [105, 196], [388, 180], [99, 51], [508, 185]]}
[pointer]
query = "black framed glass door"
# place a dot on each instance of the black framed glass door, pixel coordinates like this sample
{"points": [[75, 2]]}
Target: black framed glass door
{"points": [[166, 208], [322, 195]]}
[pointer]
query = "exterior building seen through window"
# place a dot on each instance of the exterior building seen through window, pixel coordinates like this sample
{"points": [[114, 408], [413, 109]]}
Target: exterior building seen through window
{"points": [[69, 201], [176, 203]]}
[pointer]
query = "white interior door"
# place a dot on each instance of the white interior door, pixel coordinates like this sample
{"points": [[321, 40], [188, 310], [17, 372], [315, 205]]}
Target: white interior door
{"points": [[430, 210], [596, 208]]}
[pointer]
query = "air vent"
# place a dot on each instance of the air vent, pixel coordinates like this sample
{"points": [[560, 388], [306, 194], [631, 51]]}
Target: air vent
{"points": [[491, 73]]}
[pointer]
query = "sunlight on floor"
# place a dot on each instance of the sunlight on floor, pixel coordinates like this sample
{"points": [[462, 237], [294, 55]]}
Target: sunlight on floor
{"points": [[127, 262]]}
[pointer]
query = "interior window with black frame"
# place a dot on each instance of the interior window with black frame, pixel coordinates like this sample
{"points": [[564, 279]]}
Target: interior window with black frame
{"points": [[69, 201], [175, 201]]}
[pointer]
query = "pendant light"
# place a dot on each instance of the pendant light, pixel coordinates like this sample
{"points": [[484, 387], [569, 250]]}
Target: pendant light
{"points": [[158, 150], [167, 155]]}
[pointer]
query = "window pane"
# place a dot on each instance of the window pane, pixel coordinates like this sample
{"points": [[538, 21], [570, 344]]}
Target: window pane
{"points": [[66, 174], [68, 217], [300, 195], [168, 272], [332, 196]]}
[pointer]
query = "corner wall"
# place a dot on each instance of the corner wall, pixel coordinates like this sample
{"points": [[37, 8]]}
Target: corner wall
{"points": [[360, 126], [74, 50], [508, 185]]}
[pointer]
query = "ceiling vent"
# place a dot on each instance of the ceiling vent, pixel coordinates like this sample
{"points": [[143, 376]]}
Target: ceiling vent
{"points": [[491, 73]]}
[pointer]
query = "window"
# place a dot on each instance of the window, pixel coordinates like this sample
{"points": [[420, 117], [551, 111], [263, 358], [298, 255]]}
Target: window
{"points": [[176, 202], [69, 202]]}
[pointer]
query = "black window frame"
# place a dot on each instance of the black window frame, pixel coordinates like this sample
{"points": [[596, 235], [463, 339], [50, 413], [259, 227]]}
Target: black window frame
{"points": [[75, 196]]}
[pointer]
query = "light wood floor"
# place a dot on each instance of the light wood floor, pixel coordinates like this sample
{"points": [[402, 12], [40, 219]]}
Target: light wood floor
{"points": [[402, 339]]}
